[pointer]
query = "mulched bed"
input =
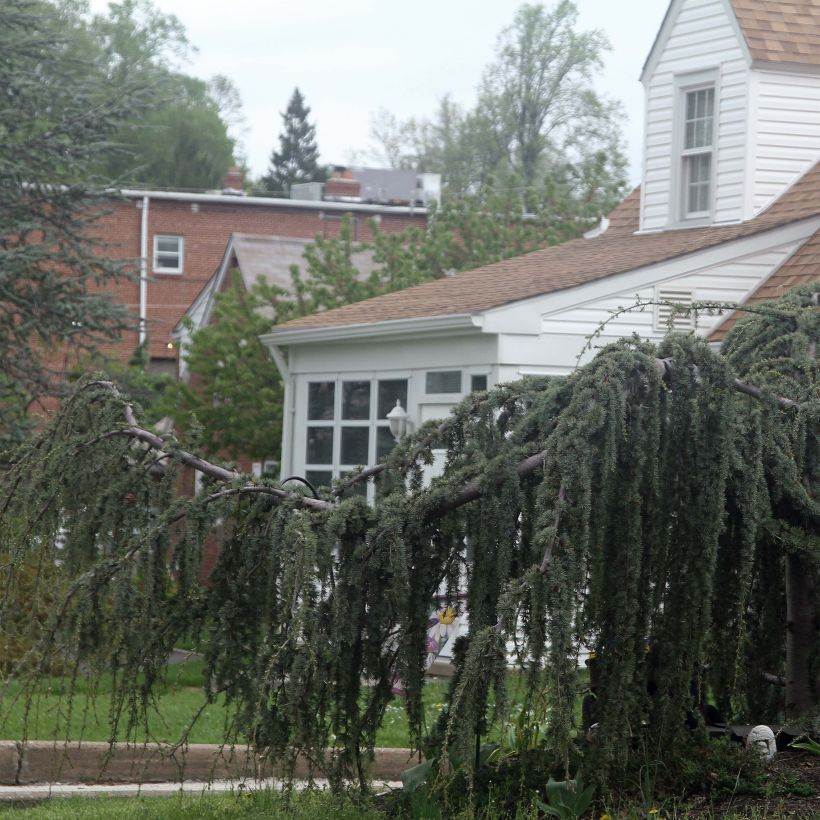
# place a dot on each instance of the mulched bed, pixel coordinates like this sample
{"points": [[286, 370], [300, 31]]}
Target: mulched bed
{"points": [[790, 777]]}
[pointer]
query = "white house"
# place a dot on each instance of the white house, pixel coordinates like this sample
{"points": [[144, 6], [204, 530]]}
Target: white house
{"points": [[728, 210]]}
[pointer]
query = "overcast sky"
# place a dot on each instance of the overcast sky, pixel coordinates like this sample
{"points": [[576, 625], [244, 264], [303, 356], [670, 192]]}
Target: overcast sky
{"points": [[354, 57]]}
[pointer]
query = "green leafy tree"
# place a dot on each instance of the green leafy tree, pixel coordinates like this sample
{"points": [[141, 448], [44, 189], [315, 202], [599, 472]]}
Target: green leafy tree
{"points": [[297, 159], [656, 496], [538, 127], [56, 118], [183, 141], [235, 392]]}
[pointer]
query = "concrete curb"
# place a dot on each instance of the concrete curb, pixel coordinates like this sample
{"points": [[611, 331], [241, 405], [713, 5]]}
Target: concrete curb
{"points": [[47, 762]]}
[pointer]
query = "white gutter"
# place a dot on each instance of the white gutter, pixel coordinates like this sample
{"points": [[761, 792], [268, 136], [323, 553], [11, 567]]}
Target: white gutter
{"points": [[395, 327], [303, 204], [144, 271]]}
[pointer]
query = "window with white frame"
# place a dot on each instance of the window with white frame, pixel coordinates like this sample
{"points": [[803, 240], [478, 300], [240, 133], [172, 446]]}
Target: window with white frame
{"points": [[347, 426], [697, 151], [168, 254]]}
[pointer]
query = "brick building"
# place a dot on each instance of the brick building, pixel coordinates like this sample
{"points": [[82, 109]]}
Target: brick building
{"points": [[178, 241]]}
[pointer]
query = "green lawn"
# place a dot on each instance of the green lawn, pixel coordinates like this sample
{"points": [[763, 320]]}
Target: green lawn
{"points": [[87, 718], [314, 805]]}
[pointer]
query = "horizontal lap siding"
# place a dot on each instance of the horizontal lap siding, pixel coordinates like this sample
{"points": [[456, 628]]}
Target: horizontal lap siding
{"points": [[702, 38], [730, 282], [787, 140]]}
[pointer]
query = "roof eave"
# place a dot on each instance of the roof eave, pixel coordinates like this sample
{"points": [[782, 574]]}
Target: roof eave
{"points": [[392, 328], [311, 205]]}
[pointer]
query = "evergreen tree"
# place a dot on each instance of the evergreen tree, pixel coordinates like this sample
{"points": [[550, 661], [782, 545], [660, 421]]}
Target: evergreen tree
{"points": [[297, 159], [57, 117], [659, 504], [235, 392]]}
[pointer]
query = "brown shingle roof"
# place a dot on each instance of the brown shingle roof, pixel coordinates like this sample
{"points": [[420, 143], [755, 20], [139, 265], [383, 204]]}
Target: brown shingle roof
{"points": [[781, 31], [802, 268], [626, 217], [561, 266]]}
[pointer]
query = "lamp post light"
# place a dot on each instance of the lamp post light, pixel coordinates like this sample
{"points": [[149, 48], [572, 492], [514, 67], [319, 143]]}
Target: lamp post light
{"points": [[398, 420]]}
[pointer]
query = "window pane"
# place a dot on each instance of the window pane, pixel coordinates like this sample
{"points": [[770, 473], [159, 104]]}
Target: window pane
{"points": [[356, 400], [320, 401], [165, 261], [169, 244], [384, 443], [444, 381], [478, 382], [391, 390], [354, 445], [319, 478], [690, 135], [319, 445]]}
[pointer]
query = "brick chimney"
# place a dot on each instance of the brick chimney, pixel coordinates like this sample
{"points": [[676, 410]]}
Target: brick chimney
{"points": [[233, 182], [341, 185]]}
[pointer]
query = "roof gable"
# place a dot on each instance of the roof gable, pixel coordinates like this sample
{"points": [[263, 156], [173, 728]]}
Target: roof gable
{"points": [[785, 32], [560, 267], [665, 31]]}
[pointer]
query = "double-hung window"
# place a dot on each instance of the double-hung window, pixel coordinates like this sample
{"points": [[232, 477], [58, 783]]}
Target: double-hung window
{"points": [[697, 152], [168, 254]]}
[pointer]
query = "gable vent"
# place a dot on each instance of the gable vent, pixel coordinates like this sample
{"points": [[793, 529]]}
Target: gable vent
{"points": [[669, 297]]}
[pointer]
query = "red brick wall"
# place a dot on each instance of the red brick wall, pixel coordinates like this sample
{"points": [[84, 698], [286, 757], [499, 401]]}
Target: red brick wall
{"points": [[206, 230]]}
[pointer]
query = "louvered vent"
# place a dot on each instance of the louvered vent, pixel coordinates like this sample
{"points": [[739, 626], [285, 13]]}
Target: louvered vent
{"points": [[669, 297]]}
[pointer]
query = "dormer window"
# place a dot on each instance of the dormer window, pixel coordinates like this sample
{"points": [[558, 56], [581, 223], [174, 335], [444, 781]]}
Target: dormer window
{"points": [[696, 128], [699, 131]]}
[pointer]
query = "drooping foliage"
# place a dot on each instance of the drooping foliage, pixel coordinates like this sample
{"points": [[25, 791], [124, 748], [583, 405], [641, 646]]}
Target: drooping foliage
{"points": [[647, 506]]}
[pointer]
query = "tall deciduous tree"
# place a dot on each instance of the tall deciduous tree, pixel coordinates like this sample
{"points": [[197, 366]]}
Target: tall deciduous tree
{"points": [[56, 117], [183, 142], [297, 159], [537, 118]]}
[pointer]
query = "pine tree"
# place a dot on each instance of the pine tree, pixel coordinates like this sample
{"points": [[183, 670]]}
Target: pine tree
{"points": [[297, 159]]}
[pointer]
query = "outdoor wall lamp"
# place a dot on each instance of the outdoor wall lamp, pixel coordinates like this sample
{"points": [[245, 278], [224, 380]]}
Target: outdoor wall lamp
{"points": [[398, 420]]}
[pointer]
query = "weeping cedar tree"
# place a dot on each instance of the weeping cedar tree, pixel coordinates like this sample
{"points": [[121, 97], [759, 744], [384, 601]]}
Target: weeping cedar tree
{"points": [[658, 495]]}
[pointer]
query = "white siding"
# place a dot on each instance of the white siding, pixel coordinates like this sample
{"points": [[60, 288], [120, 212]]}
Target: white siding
{"points": [[702, 37], [728, 282], [787, 140]]}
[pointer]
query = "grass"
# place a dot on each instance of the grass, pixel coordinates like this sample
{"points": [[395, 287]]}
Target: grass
{"points": [[271, 805], [87, 717]]}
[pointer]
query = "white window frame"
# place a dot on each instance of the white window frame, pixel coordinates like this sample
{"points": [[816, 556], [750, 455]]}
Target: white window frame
{"points": [[180, 254], [337, 468], [681, 156]]}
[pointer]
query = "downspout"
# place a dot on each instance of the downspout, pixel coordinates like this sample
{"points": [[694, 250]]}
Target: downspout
{"points": [[143, 317], [288, 408]]}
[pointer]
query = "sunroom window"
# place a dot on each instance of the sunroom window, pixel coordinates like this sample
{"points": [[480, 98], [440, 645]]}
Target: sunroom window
{"points": [[347, 426]]}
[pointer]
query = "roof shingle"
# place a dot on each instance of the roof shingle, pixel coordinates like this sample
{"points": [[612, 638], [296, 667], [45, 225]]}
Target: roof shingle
{"points": [[562, 266], [781, 31], [802, 268]]}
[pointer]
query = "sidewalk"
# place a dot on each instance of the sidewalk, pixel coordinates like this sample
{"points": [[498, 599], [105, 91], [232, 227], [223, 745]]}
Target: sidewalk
{"points": [[37, 793]]}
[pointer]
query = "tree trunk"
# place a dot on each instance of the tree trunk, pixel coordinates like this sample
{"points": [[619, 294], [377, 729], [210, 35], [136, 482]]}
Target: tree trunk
{"points": [[802, 695]]}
